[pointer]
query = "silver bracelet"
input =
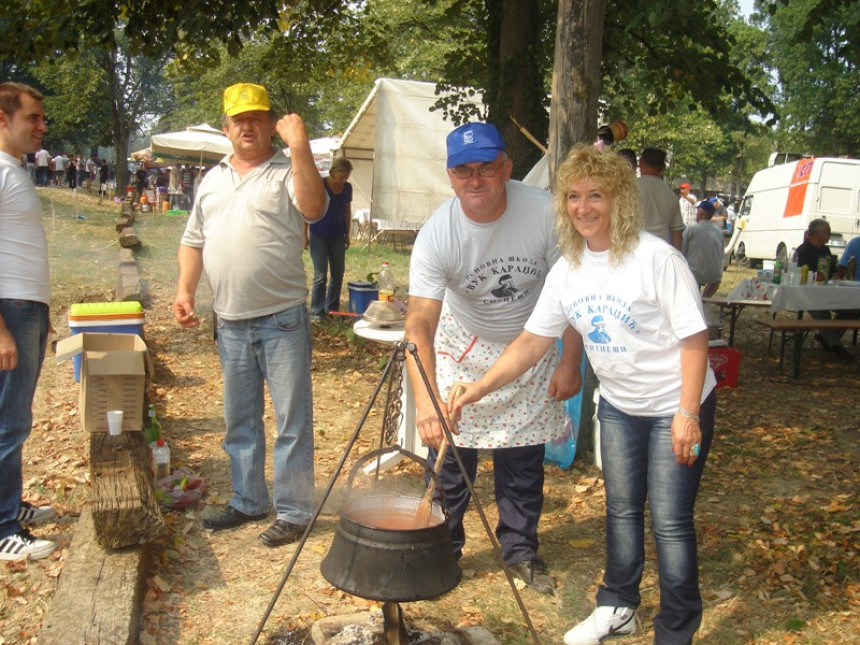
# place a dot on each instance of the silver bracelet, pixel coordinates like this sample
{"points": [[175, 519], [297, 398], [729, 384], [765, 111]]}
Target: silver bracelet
{"points": [[688, 414]]}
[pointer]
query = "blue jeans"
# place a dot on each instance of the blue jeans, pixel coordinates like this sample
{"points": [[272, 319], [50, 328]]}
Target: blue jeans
{"points": [[28, 322], [638, 462], [327, 254], [275, 349]]}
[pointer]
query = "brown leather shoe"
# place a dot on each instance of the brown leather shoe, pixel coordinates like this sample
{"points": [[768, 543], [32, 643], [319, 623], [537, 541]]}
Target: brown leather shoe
{"points": [[281, 533]]}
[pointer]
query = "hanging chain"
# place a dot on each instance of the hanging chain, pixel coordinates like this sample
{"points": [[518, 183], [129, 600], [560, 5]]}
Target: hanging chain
{"points": [[394, 401]]}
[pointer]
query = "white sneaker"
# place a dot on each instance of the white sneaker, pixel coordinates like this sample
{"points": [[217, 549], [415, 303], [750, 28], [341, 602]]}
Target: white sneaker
{"points": [[29, 514], [603, 623], [22, 545]]}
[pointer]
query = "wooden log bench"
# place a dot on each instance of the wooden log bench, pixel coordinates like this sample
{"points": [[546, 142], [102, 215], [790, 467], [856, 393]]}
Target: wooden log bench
{"points": [[128, 238], [733, 310], [797, 330], [99, 596], [124, 508]]}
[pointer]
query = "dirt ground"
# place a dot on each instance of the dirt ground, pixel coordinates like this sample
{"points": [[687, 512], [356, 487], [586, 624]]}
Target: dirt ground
{"points": [[778, 517]]}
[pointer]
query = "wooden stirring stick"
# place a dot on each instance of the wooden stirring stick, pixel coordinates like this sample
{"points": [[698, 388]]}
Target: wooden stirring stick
{"points": [[425, 508]]}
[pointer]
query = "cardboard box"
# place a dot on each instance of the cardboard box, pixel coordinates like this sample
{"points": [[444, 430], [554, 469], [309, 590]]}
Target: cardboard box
{"points": [[113, 376]]}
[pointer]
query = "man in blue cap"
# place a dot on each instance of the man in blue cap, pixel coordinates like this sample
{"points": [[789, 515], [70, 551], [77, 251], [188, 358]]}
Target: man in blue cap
{"points": [[493, 232], [702, 245]]}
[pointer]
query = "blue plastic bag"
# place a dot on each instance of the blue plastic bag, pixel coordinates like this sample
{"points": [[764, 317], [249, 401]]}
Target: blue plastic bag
{"points": [[561, 451]]}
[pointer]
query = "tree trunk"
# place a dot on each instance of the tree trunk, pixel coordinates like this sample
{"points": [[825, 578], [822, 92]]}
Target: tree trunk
{"points": [[575, 77], [573, 118], [516, 89]]}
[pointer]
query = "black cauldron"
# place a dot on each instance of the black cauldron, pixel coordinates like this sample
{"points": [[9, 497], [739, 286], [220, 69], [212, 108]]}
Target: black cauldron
{"points": [[380, 552]]}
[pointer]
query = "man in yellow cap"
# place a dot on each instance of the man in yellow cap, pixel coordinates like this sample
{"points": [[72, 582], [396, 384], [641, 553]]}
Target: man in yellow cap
{"points": [[246, 228]]}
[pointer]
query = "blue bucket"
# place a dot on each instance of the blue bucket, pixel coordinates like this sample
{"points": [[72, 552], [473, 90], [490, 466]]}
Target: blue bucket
{"points": [[361, 294]]}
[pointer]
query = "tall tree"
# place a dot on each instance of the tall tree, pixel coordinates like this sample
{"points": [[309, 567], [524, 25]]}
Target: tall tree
{"points": [[818, 69], [503, 48]]}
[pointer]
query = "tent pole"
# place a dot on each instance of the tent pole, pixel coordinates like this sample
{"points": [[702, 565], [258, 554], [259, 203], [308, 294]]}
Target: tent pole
{"points": [[528, 135]]}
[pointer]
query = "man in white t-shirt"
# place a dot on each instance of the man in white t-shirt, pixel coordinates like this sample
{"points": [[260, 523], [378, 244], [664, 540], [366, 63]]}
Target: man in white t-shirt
{"points": [[60, 163], [43, 167], [25, 295], [687, 201], [476, 271]]}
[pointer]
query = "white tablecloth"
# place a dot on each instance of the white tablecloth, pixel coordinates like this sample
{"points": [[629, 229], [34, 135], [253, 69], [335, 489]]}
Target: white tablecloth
{"points": [[806, 298], [830, 297], [751, 289]]}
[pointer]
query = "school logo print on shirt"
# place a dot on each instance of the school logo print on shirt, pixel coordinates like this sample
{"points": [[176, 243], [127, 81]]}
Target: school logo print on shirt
{"points": [[598, 331], [589, 314], [504, 279], [506, 287]]}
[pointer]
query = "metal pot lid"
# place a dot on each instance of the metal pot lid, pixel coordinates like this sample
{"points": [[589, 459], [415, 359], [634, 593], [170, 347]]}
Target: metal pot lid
{"points": [[381, 312]]}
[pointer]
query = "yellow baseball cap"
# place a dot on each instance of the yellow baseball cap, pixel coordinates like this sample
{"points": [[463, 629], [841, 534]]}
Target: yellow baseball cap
{"points": [[245, 97]]}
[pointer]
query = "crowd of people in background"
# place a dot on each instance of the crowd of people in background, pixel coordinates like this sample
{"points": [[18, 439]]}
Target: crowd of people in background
{"points": [[62, 169], [92, 173]]}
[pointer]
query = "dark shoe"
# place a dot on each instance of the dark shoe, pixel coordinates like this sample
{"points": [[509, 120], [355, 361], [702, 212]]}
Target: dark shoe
{"points": [[230, 518], [281, 533], [841, 352], [534, 573]]}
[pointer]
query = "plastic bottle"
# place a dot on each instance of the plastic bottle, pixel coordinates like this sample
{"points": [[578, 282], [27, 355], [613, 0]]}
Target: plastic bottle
{"points": [[851, 268], [385, 283], [777, 272], [152, 430], [161, 459]]}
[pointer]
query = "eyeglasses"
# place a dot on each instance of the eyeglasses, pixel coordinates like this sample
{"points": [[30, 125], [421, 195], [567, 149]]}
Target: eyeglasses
{"points": [[464, 172]]}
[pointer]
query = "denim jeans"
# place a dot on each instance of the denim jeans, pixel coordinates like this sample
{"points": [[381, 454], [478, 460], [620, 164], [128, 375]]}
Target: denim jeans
{"points": [[327, 254], [28, 322], [638, 462], [275, 349]]}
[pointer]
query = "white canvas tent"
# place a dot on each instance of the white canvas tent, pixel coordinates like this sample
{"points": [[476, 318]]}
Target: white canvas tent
{"points": [[197, 144], [397, 148]]}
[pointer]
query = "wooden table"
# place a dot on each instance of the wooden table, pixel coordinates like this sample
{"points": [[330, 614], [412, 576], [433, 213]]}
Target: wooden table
{"points": [[797, 330], [388, 230], [733, 310]]}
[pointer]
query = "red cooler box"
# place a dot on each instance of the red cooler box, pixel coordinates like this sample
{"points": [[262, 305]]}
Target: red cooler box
{"points": [[726, 363]]}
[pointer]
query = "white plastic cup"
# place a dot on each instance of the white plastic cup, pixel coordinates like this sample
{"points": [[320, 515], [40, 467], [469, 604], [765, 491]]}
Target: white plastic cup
{"points": [[114, 422]]}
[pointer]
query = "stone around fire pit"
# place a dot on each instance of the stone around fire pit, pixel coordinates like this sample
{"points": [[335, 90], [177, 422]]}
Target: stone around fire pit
{"points": [[366, 629]]}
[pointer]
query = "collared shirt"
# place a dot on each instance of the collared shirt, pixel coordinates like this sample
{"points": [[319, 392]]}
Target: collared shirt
{"points": [[252, 236]]}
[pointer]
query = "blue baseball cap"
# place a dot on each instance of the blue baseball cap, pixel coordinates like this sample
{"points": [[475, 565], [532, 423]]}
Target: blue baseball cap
{"points": [[474, 142], [706, 205]]}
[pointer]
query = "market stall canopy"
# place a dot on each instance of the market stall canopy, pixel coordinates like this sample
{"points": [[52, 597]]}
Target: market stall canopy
{"points": [[197, 144], [396, 143]]}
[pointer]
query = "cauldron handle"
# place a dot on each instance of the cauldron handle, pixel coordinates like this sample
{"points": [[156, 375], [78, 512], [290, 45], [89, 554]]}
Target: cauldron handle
{"points": [[375, 454]]}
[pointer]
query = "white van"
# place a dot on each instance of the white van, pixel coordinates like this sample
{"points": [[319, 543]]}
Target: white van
{"points": [[781, 201]]}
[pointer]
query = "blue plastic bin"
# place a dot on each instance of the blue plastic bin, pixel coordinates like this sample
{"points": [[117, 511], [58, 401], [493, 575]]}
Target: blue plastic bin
{"points": [[361, 294]]}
